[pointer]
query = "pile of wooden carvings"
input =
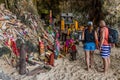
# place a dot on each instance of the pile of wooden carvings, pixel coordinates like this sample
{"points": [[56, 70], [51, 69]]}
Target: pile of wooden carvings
{"points": [[14, 33]]}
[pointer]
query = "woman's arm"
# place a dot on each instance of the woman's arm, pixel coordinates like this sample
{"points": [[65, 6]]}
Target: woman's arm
{"points": [[83, 36], [96, 40]]}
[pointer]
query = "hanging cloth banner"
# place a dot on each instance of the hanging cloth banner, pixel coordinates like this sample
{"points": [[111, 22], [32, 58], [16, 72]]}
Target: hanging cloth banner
{"points": [[76, 25], [62, 25], [42, 47]]}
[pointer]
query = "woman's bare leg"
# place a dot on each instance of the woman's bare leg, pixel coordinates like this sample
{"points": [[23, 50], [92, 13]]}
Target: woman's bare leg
{"points": [[87, 58], [91, 59]]}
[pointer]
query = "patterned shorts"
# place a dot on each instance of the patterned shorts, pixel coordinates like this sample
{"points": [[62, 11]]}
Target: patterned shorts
{"points": [[105, 51]]}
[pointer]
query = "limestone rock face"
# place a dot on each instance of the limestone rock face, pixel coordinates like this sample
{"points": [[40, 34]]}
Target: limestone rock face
{"points": [[109, 10], [112, 7]]}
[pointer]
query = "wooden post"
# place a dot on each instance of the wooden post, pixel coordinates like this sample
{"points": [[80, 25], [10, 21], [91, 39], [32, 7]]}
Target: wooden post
{"points": [[51, 18], [22, 64]]}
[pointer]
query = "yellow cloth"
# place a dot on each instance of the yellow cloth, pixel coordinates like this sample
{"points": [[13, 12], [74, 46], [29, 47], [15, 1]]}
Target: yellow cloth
{"points": [[69, 31]]}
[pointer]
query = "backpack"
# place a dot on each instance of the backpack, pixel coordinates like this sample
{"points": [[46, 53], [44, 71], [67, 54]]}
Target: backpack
{"points": [[113, 36]]}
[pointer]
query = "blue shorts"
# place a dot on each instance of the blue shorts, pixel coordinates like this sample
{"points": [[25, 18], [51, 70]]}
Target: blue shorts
{"points": [[105, 51], [89, 46]]}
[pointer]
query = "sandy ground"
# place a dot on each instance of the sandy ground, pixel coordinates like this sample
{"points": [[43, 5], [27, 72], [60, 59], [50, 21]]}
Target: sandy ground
{"points": [[68, 70]]}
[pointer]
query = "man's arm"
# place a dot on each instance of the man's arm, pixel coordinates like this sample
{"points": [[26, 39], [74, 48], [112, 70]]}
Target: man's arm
{"points": [[102, 37]]}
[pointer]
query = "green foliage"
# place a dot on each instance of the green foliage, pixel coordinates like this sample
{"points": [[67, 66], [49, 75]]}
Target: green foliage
{"points": [[44, 6], [1, 1]]}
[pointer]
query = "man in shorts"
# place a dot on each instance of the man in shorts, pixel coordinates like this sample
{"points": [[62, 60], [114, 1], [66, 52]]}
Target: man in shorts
{"points": [[104, 45]]}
